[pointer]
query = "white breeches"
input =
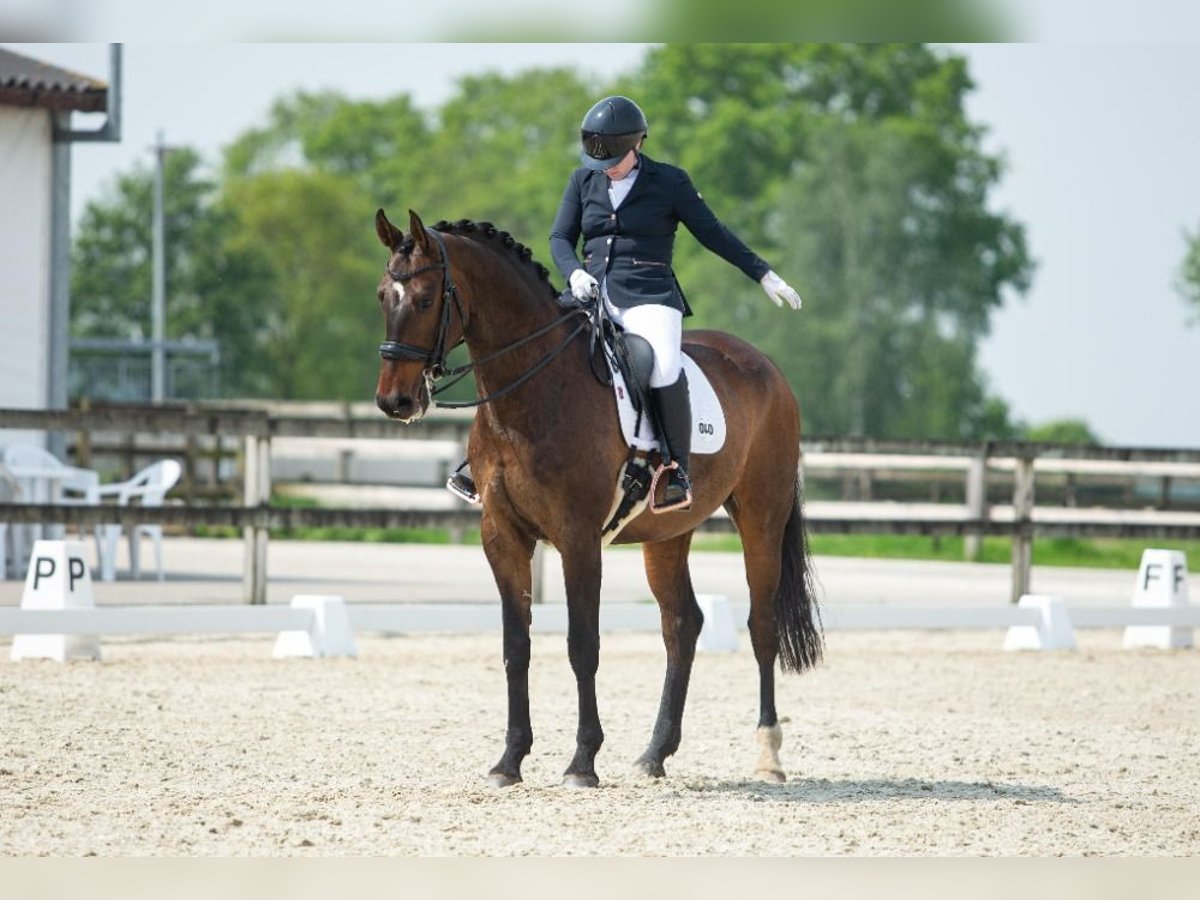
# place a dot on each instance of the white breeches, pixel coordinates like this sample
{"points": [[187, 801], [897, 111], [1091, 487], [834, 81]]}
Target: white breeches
{"points": [[662, 327]]}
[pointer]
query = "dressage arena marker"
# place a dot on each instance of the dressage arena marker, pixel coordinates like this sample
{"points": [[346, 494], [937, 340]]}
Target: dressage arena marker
{"points": [[1052, 632], [719, 632], [1161, 584], [328, 624], [58, 579], [329, 633]]}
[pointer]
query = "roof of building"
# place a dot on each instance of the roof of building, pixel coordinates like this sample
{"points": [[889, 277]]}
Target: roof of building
{"points": [[28, 82]]}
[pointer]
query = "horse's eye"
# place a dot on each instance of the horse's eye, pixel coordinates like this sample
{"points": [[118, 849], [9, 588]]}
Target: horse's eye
{"points": [[425, 302]]}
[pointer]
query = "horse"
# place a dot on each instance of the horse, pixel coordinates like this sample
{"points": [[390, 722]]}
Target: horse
{"points": [[546, 452]]}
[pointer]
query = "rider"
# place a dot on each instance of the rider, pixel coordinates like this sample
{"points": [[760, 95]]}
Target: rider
{"points": [[627, 207]]}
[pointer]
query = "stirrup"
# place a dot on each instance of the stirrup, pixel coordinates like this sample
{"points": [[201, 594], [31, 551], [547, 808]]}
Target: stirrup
{"points": [[685, 503], [463, 486]]}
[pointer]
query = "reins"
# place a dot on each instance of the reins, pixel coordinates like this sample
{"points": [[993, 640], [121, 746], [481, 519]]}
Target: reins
{"points": [[436, 371], [458, 373]]}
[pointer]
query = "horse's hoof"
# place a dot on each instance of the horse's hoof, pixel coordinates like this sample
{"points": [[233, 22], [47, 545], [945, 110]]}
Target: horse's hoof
{"points": [[650, 767], [502, 779], [775, 776], [581, 780]]}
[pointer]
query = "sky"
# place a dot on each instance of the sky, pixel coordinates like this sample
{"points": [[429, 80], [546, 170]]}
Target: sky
{"points": [[1101, 143]]}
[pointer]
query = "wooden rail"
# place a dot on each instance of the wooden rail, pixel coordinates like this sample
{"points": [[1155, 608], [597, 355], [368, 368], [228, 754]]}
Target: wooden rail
{"points": [[255, 428], [288, 517]]}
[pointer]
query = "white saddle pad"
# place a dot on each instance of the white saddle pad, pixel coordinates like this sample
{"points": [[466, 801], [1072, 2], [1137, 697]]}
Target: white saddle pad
{"points": [[708, 420]]}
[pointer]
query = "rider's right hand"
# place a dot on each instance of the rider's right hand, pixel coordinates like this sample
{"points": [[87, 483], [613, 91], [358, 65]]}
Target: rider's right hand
{"points": [[583, 286]]}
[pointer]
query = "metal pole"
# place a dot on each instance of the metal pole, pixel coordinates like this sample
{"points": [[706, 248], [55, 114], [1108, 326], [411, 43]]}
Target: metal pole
{"points": [[59, 331], [158, 299]]}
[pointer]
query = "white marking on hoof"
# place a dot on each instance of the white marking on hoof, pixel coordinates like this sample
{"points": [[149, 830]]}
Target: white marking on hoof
{"points": [[769, 768]]}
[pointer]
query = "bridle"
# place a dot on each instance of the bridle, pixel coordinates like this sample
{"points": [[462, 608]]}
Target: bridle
{"points": [[435, 359]]}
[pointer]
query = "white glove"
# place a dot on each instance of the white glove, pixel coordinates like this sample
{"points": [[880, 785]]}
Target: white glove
{"points": [[583, 286], [780, 291]]}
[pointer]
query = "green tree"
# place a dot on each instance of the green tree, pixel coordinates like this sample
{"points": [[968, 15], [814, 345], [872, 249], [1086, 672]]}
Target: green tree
{"points": [[382, 146], [323, 326], [499, 149], [211, 288], [854, 170], [307, 182], [1063, 431], [504, 149], [1189, 274]]}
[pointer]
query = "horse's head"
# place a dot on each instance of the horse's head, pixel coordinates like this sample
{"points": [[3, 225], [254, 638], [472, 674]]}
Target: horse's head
{"points": [[419, 301]]}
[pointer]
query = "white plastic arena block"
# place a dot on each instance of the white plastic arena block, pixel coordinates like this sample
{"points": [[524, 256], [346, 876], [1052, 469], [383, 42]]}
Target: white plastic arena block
{"points": [[58, 578], [1053, 631], [329, 634], [719, 632], [1161, 584]]}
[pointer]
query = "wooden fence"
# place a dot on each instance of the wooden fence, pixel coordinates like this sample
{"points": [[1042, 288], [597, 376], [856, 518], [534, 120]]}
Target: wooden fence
{"points": [[254, 429]]}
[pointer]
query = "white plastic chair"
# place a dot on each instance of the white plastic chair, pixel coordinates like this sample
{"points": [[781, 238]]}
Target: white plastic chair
{"points": [[148, 487], [41, 477]]}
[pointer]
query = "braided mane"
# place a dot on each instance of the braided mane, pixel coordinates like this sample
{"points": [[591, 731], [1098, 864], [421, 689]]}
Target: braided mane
{"points": [[500, 240]]}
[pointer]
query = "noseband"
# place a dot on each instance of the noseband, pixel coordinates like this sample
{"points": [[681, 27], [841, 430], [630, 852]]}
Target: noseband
{"points": [[434, 359]]}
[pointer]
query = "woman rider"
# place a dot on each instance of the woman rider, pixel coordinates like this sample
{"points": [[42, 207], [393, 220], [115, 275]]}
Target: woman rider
{"points": [[627, 206]]}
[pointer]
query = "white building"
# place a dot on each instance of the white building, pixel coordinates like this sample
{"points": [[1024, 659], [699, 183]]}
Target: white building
{"points": [[36, 102]]}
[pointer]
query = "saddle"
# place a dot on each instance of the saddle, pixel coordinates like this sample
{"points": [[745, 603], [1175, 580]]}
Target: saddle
{"points": [[624, 361]]}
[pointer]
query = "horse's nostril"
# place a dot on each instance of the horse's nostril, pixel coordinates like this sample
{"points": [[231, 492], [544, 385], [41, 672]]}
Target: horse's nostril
{"points": [[395, 405]]}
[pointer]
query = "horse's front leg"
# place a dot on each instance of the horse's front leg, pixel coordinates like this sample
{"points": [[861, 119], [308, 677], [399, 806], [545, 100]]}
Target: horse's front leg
{"points": [[509, 552], [581, 572]]}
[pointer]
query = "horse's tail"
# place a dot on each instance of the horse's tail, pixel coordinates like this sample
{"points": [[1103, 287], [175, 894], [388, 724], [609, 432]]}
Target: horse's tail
{"points": [[797, 618]]}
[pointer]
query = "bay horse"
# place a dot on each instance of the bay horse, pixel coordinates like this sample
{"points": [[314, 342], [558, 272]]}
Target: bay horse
{"points": [[546, 452]]}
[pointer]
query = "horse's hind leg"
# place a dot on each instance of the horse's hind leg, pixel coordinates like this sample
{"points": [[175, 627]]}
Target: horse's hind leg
{"points": [[762, 548], [784, 622], [763, 557], [671, 583]]}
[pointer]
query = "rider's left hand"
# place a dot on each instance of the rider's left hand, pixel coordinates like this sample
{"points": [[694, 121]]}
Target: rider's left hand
{"points": [[780, 291]]}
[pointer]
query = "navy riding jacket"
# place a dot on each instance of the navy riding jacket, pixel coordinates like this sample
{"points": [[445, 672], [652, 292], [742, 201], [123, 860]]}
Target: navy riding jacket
{"points": [[632, 246]]}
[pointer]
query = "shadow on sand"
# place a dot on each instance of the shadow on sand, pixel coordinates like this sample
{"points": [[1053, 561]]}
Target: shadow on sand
{"points": [[825, 790]]}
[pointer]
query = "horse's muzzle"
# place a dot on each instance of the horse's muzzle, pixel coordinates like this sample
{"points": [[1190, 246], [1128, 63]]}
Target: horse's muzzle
{"points": [[401, 406]]}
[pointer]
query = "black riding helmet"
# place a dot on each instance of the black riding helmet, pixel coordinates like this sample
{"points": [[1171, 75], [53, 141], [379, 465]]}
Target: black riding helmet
{"points": [[610, 129]]}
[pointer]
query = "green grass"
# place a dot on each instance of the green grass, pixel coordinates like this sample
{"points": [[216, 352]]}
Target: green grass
{"points": [[1100, 553]]}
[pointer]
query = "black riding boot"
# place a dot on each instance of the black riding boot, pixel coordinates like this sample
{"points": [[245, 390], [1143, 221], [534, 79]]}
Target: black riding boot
{"points": [[675, 417]]}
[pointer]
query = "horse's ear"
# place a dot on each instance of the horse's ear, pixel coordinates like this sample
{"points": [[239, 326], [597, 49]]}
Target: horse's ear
{"points": [[417, 229], [389, 236]]}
